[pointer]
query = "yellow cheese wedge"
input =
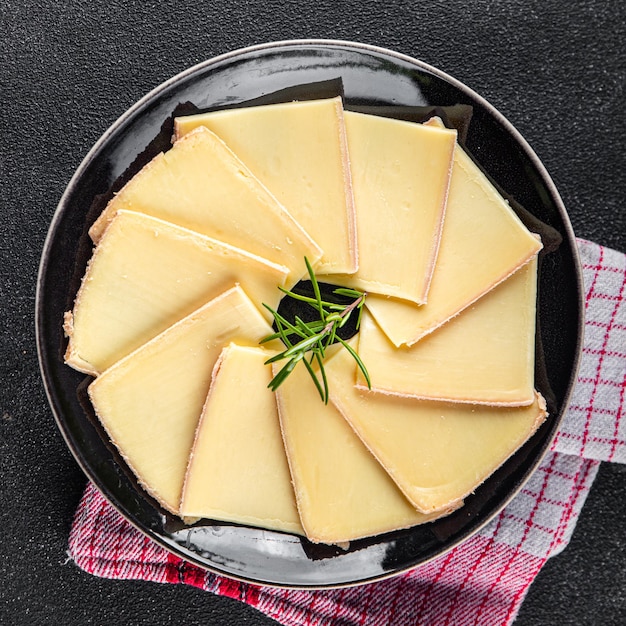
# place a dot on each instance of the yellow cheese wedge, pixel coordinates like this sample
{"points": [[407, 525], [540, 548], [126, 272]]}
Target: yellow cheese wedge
{"points": [[146, 274], [482, 243], [238, 469], [201, 185], [298, 151], [150, 402], [400, 177], [436, 452], [484, 355], [342, 491]]}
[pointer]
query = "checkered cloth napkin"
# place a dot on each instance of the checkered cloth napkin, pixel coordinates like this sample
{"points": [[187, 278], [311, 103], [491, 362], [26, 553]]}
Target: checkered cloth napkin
{"points": [[483, 580]]}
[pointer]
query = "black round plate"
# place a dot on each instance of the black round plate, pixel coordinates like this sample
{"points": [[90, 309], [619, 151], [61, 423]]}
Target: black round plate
{"points": [[370, 76]]}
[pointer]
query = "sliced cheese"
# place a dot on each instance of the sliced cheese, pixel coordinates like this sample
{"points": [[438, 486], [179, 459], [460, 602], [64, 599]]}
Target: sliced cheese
{"points": [[298, 151], [150, 402], [201, 185], [484, 355], [238, 469], [482, 243], [145, 274], [342, 492], [437, 453], [400, 177]]}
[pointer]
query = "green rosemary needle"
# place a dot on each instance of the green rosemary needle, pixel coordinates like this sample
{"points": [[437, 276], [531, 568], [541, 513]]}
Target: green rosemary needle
{"points": [[308, 341]]}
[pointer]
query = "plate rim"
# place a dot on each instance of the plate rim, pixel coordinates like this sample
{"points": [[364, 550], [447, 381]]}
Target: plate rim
{"points": [[130, 112]]}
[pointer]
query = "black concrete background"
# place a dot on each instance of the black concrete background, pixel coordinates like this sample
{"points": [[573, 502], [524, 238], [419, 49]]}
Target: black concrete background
{"points": [[555, 68]]}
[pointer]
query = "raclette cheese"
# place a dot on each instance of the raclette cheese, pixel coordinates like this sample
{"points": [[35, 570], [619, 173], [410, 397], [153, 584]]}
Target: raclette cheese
{"points": [[145, 274], [370, 461], [238, 469], [482, 243], [484, 355], [201, 185], [342, 491], [400, 177], [298, 151], [437, 453], [150, 402]]}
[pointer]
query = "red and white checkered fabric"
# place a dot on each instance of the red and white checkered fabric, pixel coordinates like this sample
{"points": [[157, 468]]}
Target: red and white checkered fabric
{"points": [[595, 427], [482, 581]]}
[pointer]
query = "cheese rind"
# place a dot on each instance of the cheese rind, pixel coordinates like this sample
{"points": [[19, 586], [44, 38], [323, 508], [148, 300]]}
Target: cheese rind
{"points": [[437, 453], [400, 177], [298, 151], [238, 469], [482, 243], [342, 492], [484, 355], [150, 401], [201, 185], [145, 274]]}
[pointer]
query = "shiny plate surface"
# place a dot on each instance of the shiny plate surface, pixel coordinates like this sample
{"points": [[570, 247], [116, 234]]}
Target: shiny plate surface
{"points": [[371, 76]]}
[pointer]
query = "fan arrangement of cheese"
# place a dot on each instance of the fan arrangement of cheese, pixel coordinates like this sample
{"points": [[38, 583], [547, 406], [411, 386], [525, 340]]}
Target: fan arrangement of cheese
{"points": [[169, 317]]}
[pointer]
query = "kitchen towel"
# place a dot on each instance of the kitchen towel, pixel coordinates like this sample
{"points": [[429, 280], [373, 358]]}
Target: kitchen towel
{"points": [[483, 580]]}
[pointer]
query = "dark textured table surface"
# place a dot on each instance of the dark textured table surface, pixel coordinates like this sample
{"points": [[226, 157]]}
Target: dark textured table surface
{"points": [[555, 69]]}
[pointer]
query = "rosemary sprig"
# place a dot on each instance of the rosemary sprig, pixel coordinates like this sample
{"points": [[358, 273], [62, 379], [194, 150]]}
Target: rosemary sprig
{"points": [[308, 341]]}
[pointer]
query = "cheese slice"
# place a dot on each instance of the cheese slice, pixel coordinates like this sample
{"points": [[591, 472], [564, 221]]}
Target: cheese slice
{"points": [[400, 177], [150, 402], [201, 185], [146, 274], [437, 453], [342, 492], [484, 355], [298, 151], [238, 469], [482, 243]]}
